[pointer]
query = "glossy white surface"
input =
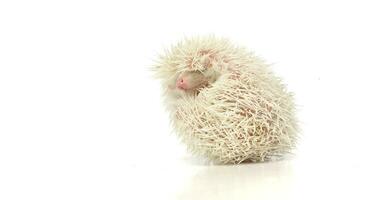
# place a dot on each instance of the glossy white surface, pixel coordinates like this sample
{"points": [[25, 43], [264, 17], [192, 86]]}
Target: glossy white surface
{"points": [[287, 179]]}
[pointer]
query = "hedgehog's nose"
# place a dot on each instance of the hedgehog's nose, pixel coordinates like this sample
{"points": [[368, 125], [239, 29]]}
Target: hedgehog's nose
{"points": [[181, 84]]}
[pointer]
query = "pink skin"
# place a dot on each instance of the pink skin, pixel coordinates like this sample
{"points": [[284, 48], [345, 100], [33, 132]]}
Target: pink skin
{"points": [[182, 83], [190, 80]]}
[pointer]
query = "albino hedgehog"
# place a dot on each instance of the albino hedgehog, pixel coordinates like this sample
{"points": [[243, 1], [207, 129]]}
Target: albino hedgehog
{"points": [[225, 103]]}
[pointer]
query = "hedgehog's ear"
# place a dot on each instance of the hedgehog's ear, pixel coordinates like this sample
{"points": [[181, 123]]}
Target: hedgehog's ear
{"points": [[211, 74]]}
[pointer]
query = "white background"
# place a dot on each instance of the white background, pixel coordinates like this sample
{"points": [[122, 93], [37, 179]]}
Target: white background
{"points": [[82, 118]]}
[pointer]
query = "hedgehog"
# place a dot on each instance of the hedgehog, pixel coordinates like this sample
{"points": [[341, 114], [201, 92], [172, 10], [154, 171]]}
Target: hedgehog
{"points": [[225, 103]]}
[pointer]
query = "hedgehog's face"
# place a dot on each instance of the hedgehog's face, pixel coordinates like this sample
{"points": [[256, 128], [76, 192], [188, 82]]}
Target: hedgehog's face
{"points": [[190, 82], [185, 83], [188, 67]]}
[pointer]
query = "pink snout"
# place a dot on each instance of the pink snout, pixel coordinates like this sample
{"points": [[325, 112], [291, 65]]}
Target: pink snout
{"points": [[181, 83]]}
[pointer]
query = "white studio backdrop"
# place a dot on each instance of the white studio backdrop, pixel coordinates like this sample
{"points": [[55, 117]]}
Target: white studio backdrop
{"points": [[82, 118]]}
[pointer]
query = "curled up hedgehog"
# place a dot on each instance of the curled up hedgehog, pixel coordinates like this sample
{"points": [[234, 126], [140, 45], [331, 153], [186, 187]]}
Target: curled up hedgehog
{"points": [[225, 103]]}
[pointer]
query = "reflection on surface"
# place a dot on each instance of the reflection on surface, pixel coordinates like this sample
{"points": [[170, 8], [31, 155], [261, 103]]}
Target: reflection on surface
{"points": [[253, 181]]}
